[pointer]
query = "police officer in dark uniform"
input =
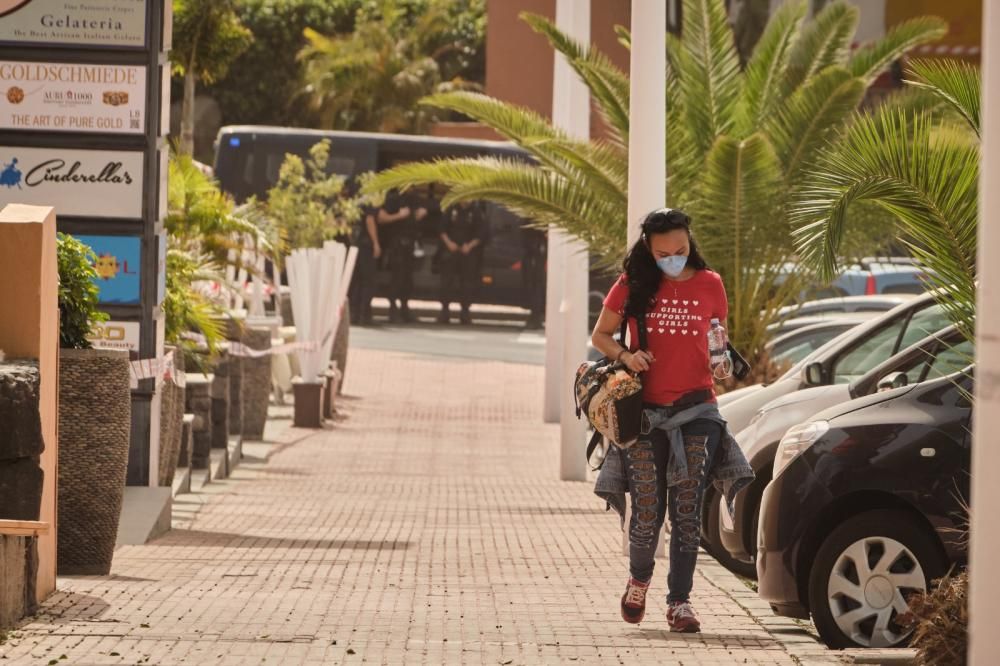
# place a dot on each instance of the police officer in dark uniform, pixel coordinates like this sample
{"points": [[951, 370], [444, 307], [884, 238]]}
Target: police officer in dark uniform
{"points": [[366, 238], [464, 232], [401, 215]]}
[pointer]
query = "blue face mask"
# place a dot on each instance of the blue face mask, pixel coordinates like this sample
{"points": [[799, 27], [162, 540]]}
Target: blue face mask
{"points": [[672, 266]]}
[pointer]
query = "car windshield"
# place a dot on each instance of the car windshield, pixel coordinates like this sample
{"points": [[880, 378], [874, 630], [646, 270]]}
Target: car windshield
{"points": [[887, 341]]}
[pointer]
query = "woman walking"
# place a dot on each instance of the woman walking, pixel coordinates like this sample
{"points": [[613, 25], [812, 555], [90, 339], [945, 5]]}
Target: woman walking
{"points": [[685, 444]]}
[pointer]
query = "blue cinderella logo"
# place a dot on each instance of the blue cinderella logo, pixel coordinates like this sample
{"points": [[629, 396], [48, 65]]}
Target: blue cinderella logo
{"points": [[11, 175]]}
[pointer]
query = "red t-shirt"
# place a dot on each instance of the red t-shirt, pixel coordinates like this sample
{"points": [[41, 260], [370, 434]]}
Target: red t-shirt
{"points": [[676, 327]]}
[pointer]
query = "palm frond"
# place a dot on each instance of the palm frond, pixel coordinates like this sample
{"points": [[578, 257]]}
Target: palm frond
{"points": [[708, 68], [605, 166], [957, 83], [766, 68], [608, 85], [823, 42], [737, 227], [524, 127], [809, 118], [927, 178], [538, 195], [624, 36], [872, 59]]}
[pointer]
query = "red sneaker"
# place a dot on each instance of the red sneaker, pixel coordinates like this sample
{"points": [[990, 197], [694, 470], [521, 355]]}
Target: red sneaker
{"points": [[682, 619], [634, 601]]}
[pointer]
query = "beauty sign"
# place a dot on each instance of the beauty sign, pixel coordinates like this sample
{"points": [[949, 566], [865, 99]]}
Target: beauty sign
{"points": [[68, 97], [116, 335], [105, 23], [118, 267], [77, 183]]}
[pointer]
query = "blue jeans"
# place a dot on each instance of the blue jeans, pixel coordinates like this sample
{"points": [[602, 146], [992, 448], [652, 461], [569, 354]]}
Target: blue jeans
{"points": [[645, 464]]}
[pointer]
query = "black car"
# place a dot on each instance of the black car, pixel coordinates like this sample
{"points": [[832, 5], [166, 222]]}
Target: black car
{"points": [[866, 507], [937, 355]]}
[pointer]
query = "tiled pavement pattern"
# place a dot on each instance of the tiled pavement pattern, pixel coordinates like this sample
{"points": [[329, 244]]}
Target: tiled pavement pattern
{"points": [[428, 527]]}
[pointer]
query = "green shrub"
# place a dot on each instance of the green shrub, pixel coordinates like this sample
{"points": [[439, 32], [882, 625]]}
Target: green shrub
{"points": [[307, 203], [262, 84], [78, 292]]}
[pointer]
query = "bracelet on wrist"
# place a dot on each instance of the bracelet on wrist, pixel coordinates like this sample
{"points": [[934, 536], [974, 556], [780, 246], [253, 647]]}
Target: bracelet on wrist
{"points": [[619, 357]]}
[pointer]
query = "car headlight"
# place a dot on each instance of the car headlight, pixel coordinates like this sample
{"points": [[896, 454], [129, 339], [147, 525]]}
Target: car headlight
{"points": [[796, 440]]}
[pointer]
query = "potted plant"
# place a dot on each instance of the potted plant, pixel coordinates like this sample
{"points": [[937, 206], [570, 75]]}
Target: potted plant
{"points": [[312, 208], [95, 416]]}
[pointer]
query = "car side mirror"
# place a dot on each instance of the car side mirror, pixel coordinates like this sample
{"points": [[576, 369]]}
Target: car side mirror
{"points": [[814, 374], [893, 380]]}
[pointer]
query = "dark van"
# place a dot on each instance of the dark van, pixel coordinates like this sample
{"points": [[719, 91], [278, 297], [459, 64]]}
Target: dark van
{"points": [[248, 158]]}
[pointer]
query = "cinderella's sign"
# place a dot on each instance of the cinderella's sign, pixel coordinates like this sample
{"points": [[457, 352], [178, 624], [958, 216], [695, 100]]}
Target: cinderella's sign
{"points": [[79, 183], [104, 23]]}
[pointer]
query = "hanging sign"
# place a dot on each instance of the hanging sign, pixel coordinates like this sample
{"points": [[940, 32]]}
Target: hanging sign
{"points": [[118, 266], [84, 183], [104, 23], [67, 97]]}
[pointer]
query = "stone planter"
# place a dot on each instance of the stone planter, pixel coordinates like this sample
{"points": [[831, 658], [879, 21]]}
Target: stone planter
{"points": [[236, 331], [171, 419], [256, 383], [95, 415], [198, 402], [20, 441], [330, 394], [340, 345], [220, 399], [308, 403]]}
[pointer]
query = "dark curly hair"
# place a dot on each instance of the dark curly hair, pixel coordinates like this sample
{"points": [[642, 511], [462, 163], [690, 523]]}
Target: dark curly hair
{"points": [[642, 275]]}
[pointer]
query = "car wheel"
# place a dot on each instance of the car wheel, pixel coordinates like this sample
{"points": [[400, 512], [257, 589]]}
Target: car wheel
{"points": [[711, 540], [864, 573]]}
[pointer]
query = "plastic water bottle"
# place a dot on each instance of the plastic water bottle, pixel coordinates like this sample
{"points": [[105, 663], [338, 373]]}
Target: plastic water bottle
{"points": [[716, 343]]}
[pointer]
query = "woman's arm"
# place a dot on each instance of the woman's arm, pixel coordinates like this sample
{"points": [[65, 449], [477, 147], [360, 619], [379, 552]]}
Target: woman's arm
{"points": [[603, 338]]}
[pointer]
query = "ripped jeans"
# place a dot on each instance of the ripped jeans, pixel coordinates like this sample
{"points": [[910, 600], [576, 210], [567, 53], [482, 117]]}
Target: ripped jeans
{"points": [[645, 464]]}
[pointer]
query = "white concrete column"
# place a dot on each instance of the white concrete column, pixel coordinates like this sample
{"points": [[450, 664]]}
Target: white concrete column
{"points": [[554, 273], [570, 112], [647, 165], [984, 585]]}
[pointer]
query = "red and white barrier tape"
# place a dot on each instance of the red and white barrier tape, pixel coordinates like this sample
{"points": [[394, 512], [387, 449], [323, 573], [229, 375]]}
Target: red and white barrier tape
{"points": [[161, 367]]}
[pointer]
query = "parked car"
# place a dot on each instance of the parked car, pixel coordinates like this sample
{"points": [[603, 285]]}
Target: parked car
{"points": [[874, 303], [795, 323], [846, 357], [869, 276], [842, 360], [937, 355], [793, 346], [866, 507], [880, 277]]}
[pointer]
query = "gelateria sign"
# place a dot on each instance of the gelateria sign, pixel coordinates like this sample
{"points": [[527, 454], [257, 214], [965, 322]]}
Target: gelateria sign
{"points": [[65, 97], [77, 183], [120, 23]]}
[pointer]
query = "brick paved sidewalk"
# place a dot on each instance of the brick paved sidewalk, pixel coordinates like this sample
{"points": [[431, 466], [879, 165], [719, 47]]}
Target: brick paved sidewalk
{"points": [[427, 527]]}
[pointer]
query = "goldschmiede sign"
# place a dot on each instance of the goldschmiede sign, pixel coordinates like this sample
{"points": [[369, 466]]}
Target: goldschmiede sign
{"points": [[114, 23], [72, 97]]}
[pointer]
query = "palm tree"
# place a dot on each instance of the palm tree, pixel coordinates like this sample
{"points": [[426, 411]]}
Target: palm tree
{"points": [[738, 141], [924, 173], [373, 78]]}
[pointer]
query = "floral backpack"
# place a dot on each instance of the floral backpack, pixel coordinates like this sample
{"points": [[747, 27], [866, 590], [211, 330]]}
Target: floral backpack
{"points": [[611, 396]]}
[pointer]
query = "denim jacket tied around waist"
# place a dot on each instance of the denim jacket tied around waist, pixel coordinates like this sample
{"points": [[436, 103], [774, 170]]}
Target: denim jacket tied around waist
{"points": [[730, 472]]}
